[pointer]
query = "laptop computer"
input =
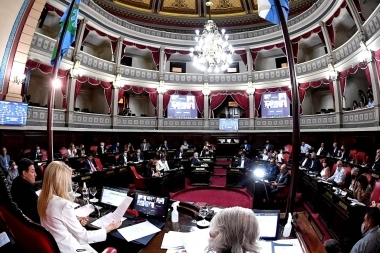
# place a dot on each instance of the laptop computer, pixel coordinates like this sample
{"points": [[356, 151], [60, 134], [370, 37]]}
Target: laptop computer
{"points": [[150, 206], [112, 197], [268, 223]]}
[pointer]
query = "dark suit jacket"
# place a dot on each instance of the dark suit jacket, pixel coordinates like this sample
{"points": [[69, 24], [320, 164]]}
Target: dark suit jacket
{"points": [[196, 161], [203, 154], [87, 165], [142, 146], [248, 146], [2, 164], [113, 149], [334, 152], [99, 151], [376, 164], [177, 154], [273, 170], [34, 156], [135, 157], [121, 160], [269, 147], [316, 165], [323, 152], [23, 193], [82, 153], [284, 180], [165, 146], [307, 164], [246, 162]]}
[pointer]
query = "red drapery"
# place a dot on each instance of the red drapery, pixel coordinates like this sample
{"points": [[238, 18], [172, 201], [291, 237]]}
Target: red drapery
{"points": [[52, 8], [243, 55], [358, 8], [216, 99], [112, 39], [169, 52], [377, 61], [352, 70], [243, 102], [47, 69], [329, 23], [155, 51], [315, 84]]}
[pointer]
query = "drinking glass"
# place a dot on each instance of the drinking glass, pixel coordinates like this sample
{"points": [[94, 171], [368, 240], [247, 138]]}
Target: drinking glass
{"points": [[203, 211], [75, 189], [93, 192], [86, 196]]}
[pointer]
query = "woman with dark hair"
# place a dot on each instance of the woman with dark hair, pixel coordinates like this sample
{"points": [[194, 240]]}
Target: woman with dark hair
{"points": [[362, 190], [355, 105]]}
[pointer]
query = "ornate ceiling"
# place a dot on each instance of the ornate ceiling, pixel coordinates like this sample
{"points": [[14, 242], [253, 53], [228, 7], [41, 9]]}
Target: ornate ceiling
{"points": [[181, 15]]}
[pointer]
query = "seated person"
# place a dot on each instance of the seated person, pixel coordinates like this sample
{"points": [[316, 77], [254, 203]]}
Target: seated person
{"points": [[376, 163], [279, 156], [335, 150], [165, 145], [185, 146], [322, 151], [150, 170], [264, 156], [325, 172], [354, 175], [56, 209], [36, 154], [339, 176], [370, 243], [243, 162], [245, 146], [272, 171], [161, 152], [101, 149], [129, 148], [331, 246], [362, 190], [314, 163], [23, 191], [342, 153], [115, 148], [12, 173], [305, 161], [89, 163], [234, 229], [144, 146], [4, 160], [205, 152], [195, 160], [162, 164], [71, 151], [123, 159], [283, 179], [268, 146], [82, 150], [179, 153], [138, 156]]}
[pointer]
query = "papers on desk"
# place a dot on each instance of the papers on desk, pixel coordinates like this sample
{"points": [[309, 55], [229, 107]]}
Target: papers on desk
{"points": [[137, 231], [104, 221], [84, 211], [355, 202], [287, 246], [172, 240]]}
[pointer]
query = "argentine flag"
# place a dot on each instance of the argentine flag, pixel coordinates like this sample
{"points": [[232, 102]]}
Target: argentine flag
{"points": [[268, 11]]}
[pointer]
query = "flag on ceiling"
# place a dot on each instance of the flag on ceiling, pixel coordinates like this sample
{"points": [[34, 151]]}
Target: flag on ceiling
{"points": [[268, 10], [69, 34]]}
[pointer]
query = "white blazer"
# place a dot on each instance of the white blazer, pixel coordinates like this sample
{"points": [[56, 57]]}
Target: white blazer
{"points": [[162, 166], [66, 229]]}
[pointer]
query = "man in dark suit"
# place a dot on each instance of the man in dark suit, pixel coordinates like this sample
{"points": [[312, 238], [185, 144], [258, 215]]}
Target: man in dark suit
{"points": [[268, 146], [195, 160], [272, 170], [283, 179], [4, 161], [245, 146], [305, 161], [89, 164], [123, 159], [322, 151], [144, 146], [376, 164], [101, 149], [36, 154], [115, 148], [335, 150], [314, 163], [23, 191], [165, 145], [179, 154], [243, 162], [138, 156]]}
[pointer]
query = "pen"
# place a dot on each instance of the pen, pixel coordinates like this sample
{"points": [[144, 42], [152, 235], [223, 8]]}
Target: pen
{"points": [[81, 250]]}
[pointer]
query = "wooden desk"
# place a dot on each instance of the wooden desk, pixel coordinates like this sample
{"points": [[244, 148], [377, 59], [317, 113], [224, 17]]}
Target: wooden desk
{"points": [[305, 233]]}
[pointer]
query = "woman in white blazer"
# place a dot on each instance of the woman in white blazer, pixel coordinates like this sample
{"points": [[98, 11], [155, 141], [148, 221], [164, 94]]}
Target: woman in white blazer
{"points": [[56, 210]]}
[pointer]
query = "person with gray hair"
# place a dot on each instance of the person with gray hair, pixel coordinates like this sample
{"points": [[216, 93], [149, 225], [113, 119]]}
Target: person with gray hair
{"points": [[234, 230], [331, 246]]}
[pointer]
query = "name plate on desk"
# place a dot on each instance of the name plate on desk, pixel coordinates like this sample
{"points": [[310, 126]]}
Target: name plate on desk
{"points": [[329, 195], [199, 168], [110, 172], [374, 175], [122, 169], [85, 178], [184, 160], [235, 170], [344, 206], [206, 159]]}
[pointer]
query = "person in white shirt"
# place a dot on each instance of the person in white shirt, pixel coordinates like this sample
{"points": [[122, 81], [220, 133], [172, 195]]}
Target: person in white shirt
{"points": [[370, 102], [265, 156], [305, 147], [339, 176], [56, 210], [185, 145], [321, 150], [72, 151], [162, 164], [280, 157]]}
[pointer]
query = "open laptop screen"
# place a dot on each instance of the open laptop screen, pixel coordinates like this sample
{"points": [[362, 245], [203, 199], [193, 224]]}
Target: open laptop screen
{"points": [[113, 196], [268, 223], [151, 206]]}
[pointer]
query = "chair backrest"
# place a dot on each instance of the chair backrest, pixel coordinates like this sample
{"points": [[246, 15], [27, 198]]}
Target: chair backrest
{"points": [[94, 149], [116, 158], [26, 151], [352, 154], [138, 180], [98, 163], [375, 196], [27, 234], [348, 176], [286, 158], [288, 148], [368, 176], [333, 169], [360, 157], [108, 147], [135, 174]]}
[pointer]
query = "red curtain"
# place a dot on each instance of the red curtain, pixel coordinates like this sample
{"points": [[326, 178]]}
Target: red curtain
{"points": [[52, 8], [155, 51], [169, 52], [112, 39], [153, 99], [377, 61], [243, 102], [243, 55], [216, 100], [315, 84]]}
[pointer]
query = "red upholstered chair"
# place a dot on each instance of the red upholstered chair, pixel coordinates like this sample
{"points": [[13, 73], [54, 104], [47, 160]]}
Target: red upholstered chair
{"points": [[361, 158], [288, 148], [333, 169], [286, 158], [63, 152], [375, 195], [98, 163], [44, 155], [110, 250], [348, 177], [368, 176], [26, 152], [352, 154], [94, 149], [138, 180], [108, 147], [117, 158], [42, 168]]}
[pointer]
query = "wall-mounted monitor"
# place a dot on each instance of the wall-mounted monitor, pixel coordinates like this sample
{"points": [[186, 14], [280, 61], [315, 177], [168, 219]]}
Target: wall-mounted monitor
{"points": [[229, 124], [13, 113], [275, 104], [182, 107]]}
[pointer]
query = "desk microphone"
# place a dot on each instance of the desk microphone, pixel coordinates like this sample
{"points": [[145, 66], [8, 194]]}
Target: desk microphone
{"points": [[98, 213]]}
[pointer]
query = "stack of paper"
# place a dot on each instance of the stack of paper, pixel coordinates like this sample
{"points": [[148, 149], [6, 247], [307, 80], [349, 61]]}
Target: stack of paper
{"points": [[138, 231], [172, 240]]}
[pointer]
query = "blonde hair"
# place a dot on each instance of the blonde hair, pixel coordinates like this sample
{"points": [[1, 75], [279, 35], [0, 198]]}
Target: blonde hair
{"points": [[57, 181], [234, 230]]}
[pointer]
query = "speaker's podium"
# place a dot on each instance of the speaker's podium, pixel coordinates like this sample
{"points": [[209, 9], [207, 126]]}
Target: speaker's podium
{"points": [[176, 179], [235, 177], [260, 192], [200, 175]]}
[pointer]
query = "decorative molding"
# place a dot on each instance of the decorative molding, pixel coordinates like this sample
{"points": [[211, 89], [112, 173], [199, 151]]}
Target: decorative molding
{"points": [[96, 63], [359, 117], [45, 45]]}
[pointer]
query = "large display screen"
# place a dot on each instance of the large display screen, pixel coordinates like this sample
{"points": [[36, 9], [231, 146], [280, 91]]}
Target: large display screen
{"points": [[275, 104], [13, 113], [268, 223], [228, 124], [151, 206], [182, 106]]}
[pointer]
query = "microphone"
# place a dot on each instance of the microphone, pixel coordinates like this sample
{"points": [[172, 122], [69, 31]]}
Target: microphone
{"points": [[98, 213]]}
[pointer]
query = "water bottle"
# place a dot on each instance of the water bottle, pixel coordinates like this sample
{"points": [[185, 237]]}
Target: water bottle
{"points": [[85, 192]]}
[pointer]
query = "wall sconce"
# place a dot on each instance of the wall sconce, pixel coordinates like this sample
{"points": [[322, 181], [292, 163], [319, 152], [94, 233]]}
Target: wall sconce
{"points": [[19, 79], [250, 88], [332, 74], [206, 90], [75, 71], [365, 54], [161, 87]]}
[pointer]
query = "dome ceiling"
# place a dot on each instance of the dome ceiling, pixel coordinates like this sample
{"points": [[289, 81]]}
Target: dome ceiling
{"points": [[182, 15]]}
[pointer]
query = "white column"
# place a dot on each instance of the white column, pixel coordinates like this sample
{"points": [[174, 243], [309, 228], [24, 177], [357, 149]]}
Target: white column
{"points": [[162, 62], [70, 96], [249, 62], [326, 38], [160, 113], [206, 106], [338, 102], [118, 52], [114, 107], [356, 17], [375, 87], [78, 41]]}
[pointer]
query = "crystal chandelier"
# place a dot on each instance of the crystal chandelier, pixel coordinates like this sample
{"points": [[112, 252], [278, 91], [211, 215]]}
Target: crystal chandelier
{"points": [[213, 51]]}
